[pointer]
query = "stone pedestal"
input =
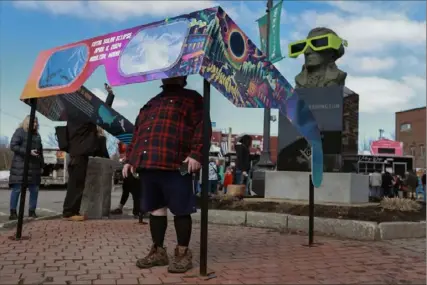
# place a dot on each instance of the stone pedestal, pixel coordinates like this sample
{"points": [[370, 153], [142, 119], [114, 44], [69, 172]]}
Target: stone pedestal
{"points": [[258, 182], [347, 188], [336, 110], [96, 202]]}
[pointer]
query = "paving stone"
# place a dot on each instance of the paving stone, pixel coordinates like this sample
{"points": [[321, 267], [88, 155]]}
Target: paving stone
{"points": [[104, 252]]}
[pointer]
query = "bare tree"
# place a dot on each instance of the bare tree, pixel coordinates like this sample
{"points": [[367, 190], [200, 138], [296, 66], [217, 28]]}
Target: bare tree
{"points": [[51, 141], [6, 156], [365, 145]]}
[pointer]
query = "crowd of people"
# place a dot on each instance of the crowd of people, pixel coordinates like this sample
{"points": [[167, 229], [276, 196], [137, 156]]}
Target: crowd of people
{"points": [[222, 173], [161, 168], [165, 151], [390, 185]]}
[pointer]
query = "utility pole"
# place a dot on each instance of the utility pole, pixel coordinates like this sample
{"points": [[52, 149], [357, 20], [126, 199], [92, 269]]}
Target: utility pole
{"points": [[265, 159]]}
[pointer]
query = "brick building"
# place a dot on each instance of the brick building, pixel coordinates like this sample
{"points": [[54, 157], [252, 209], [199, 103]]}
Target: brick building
{"points": [[350, 130], [411, 131]]}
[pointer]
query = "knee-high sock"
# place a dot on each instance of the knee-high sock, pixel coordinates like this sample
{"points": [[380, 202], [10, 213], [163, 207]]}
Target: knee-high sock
{"points": [[158, 226], [183, 228]]}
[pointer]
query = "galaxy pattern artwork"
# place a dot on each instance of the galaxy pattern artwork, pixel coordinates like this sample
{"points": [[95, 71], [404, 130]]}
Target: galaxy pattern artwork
{"points": [[205, 42]]}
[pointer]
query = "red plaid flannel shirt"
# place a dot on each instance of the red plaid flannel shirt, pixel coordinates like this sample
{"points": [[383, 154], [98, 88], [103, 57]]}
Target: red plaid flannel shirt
{"points": [[168, 129]]}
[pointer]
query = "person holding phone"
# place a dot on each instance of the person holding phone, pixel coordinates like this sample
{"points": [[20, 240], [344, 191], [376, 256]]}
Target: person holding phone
{"points": [[166, 149], [18, 145]]}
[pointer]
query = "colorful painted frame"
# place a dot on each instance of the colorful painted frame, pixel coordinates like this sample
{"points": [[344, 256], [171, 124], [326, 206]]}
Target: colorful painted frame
{"points": [[206, 42]]}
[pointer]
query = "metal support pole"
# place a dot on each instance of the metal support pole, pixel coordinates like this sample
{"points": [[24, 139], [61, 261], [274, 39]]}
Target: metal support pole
{"points": [[205, 180], [311, 213], [265, 159], [24, 185]]}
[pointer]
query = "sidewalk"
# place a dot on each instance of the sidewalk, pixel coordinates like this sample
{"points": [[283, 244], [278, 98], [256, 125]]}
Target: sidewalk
{"points": [[104, 252]]}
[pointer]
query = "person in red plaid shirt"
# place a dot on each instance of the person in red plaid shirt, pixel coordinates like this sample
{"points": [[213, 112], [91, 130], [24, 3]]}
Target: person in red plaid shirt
{"points": [[166, 149]]}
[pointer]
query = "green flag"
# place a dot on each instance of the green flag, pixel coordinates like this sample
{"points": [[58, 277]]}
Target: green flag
{"points": [[274, 53]]}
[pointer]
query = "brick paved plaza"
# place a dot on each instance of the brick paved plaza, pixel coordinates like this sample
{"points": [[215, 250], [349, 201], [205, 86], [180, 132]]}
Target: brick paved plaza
{"points": [[104, 252]]}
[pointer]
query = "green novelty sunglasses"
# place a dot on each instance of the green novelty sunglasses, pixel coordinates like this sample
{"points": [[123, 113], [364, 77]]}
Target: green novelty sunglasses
{"points": [[318, 43]]}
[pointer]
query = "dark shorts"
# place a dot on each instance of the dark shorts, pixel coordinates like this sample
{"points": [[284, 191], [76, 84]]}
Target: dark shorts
{"points": [[167, 189]]}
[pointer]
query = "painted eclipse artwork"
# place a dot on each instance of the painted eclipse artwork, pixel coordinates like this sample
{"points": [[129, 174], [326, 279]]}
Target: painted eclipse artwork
{"points": [[154, 48], [64, 66], [206, 42]]}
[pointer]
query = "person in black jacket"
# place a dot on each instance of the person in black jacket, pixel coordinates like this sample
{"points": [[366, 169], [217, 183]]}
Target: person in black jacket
{"points": [[243, 161], [423, 181], [82, 143], [386, 184], [18, 145]]}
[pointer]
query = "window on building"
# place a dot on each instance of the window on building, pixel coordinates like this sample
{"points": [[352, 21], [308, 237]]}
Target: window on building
{"points": [[406, 127], [386, 150], [423, 151], [412, 149]]}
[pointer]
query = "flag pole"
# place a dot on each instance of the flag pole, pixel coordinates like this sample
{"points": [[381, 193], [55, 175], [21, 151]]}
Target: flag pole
{"points": [[265, 159]]}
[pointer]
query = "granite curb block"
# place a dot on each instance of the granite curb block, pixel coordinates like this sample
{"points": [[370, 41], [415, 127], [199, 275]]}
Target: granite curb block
{"points": [[12, 224], [350, 229], [400, 230]]}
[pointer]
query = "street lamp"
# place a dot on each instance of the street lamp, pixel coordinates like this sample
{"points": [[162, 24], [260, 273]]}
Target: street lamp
{"points": [[265, 159]]}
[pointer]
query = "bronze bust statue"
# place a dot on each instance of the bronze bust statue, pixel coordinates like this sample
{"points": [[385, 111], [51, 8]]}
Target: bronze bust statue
{"points": [[319, 69]]}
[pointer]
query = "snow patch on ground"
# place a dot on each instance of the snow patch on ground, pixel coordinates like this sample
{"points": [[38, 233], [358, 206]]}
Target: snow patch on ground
{"points": [[4, 175]]}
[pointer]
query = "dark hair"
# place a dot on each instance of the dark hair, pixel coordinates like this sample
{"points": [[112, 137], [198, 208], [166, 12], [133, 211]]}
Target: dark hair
{"points": [[246, 140]]}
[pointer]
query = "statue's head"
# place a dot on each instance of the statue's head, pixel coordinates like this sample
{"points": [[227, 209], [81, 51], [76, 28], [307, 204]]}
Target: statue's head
{"points": [[322, 46]]}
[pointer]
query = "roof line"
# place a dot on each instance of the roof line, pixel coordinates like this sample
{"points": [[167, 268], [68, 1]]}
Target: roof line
{"points": [[413, 109]]}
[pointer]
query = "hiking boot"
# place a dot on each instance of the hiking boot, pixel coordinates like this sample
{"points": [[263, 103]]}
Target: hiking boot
{"points": [[156, 257], [182, 261], [32, 214], [13, 215]]}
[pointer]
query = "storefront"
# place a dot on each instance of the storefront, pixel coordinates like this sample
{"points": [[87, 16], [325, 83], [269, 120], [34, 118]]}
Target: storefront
{"points": [[386, 147]]}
